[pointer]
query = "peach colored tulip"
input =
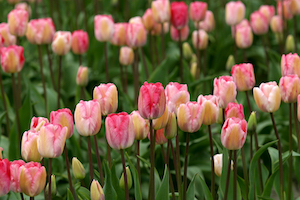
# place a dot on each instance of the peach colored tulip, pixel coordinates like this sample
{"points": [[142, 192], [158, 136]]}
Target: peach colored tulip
{"points": [[225, 90], [184, 33], [15, 169], [107, 96], [80, 42], [287, 12], [119, 36], [12, 58], [62, 41], [197, 11], [290, 64], [210, 108], [209, 23], [63, 117], [104, 27], [88, 117], [148, 20], [234, 12], [171, 127], [82, 77], [244, 37], [8, 38], [97, 191], [289, 88], [295, 7], [234, 133], [40, 31], [136, 35], [259, 23], [159, 137], [242, 24], [37, 123], [267, 97], [29, 150], [162, 121], [179, 14], [243, 76], [17, 22], [202, 39], [218, 162], [141, 125], [176, 94], [268, 11], [5, 177], [136, 20], [126, 56], [190, 117], [161, 10], [276, 24], [234, 110]]}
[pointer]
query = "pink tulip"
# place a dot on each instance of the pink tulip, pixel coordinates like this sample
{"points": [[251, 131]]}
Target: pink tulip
{"points": [[242, 24], [267, 97], [88, 117], [210, 108], [107, 96], [63, 117], [259, 23], [179, 14], [12, 58], [119, 130], [176, 94], [51, 140], [276, 24], [161, 10], [141, 125], [225, 90], [287, 12], [82, 77], [136, 35], [126, 56], [17, 22], [152, 100], [40, 31], [157, 29], [244, 37], [24, 6], [119, 36], [289, 88], [62, 41], [208, 24], [202, 39], [8, 38], [234, 133], [267, 11], [159, 137], [80, 42], [290, 64], [104, 27], [5, 177], [15, 169], [148, 20], [29, 150], [243, 76], [184, 33], [190, 117], [234, 12], [37, 123], [136, 20], [32, 178], [234, 110], [295, 7], [197, 11]]}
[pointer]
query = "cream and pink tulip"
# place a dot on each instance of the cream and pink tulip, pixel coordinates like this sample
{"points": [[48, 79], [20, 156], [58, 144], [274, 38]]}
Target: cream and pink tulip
{"points": [[80, 42], [295, 7], [197, 11], [287, 12], [190, 117], [141, 126], [243, 37], [12, 58], [136, 20], [202, 39], [162, 121], [17, 22], [179, 14], [225, 90], [243, 76], [210, 108], [63, 117], [82, 77], [62, 41], [148, 20], [126, 56], [96, 191], [259, 23], [298, 107], [119, 36], [289, 88], [209, 23], [29, 150], [161, 10], [234, 110], [176, 94], [234, 12], [15, 169], [107, 96], [184, 33], [268, 11], [8, 38], [136, 35], [5, 177], [37, 123], [104, 27], [40, 31], [290, 64], [276, 24]]}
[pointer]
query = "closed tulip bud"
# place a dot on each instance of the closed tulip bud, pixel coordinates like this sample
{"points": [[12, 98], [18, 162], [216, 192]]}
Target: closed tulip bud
{"points": [[63, 117], [96, 191], [78, 169], [126, 56], [12, 58], [184, 33], [287, 12], [37, 123], [290, 64], [29, 150], [107, 96], [159, 137], [119, 36], [234, 133], [252, 122], [171, 127], [225, 90], [82, 77], [148, 20], [230, 62], [141, 126], [129, 179], [5, 177], [289, 88], [161, 10], [210, 108], [193, 59], [259, 23], [267, 97], [267, 11], [87, 117], [234, 110], [152, 100], [197, 11], [62, 41], [136, 20], [51, 141], [1, 149], [295, 7], [15, 169], [162, 121], [220, 116], [234, 12], [80, 42], [136, 35], [24, 6], [209, 22], [8, 38], [176, 94], [53, 186], [190, 117], [32, 179], [104, 27], [290, 43], [218, 163], [187, 50], [202, 41], [40, 31], [243, 76], [17, 22], [194, 70], [179, 14], [244, 37], [119, 130], [276, 24]]}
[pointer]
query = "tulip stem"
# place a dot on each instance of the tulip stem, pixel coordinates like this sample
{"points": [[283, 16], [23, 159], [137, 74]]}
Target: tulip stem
{"points": [[235, 47], [212, 163], [296, 125], [125, 175], [90, 158], [59, 80], [4, 105], [234, 174], [49, 178], [50, 67], [245, 172], [125, 80], [178, 165], [135, 71], [156, 50], [186, 165], [289, 193], [258, 164], [80, 59], [280, 159], [138, 160], [99, 160], [266, 52], [151, 195], [108, 150], [106, 62], [151, 52], [181, 57], [43, 78], [16, 100], [175, 163], [144, 62], [228, 175], [31, 198], [22, 196], [163, 48], [295, 32], [69, 174]]}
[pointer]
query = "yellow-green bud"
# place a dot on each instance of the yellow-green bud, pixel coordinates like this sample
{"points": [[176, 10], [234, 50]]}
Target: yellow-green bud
{"points": [[78, 170], [194, 69], [171, 128], [230, 62], [193, 59], [187, 51], [251, 126], [129, 179], [220, 116], [96, 191], [53, 186], [290, 44]]}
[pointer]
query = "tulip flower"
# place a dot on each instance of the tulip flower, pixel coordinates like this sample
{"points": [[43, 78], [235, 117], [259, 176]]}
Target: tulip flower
{"points": [[190, 117], [289, 88], [40, 31], [234, 133], [267, 97], [209, 23], [107, 96], [148, 20], [8, 38], [252, 124], [242, 24], [15, 169], [176, 94], [29, 150], [82, 77], [126, 56], [244, 37], [243, 76], [171, 127], [136, 35], [119, 130], [225, 90], [161, 10], [129, 179], [234, 110], [184, 33], [218, 163], [23, 6], [259, 23], [179, 14], [230, 62], [80, 42], [159, 137], [210, 108], [5, 177], [37, 123], [162, 121], [197, 11], [287, 12], [119, 36], [32, 179], [268, 11], [62, 41], [51, 140], [276, 24], [88, 117], [17, 22], [63, 117], [136, 20], [152, 100], [157, 29], [78, 169], [104, 27], [290, 64], [96, 191], [12, 58], [141, 126], [295, 7], [234, 12], [202, 39], [290, 43]]}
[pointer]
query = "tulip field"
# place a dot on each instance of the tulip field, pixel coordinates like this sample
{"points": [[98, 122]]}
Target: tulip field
{"points": [[149, 99]]}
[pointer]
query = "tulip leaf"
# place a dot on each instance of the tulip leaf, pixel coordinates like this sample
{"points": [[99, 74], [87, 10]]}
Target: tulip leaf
{"points": [[163, 192], [25, 113], [224, 177], [116, 184], [69, 195], [83, 193], [190, 193], [205, 189], [13, 143], [269, 185], [108, 189], [137, 187]]}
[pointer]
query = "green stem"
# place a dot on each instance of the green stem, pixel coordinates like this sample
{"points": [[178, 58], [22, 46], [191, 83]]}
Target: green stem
{"points": [[175, 163], [50, 67], [125, 175], [16, 100], [138, 160], [181, 58], [186, 165], [295, 32], [99, 161], [136, 76], [43, 78], [4, 105], [22, 196], [228, 175], [108, 152], [90, 158], [49, 178], [163, 48], [59, 80], [245, 172], [69, 174], [144, 62], [212, 163], [289, 193], [234, 175], [152, 160], [106, 62], [178, 165], [31, 198], [296, 125]]}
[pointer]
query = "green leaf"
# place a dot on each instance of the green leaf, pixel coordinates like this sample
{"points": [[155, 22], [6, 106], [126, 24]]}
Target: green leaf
{"points": [[13, 151], [205, 189], [84, 193], [190, 193], [108, 189], [137, 189], [69, 195], [116, 184], [269, 185], [163, 192]]}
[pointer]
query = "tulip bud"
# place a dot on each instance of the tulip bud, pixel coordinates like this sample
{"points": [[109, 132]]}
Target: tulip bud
{"points": [[23, 6], [193, 59], [152, 100], [15, 169], [234, 133], [119, 36], [243, 76], [187, 50], [244, 37], [32, 179], [5, 177], [218, 163], [259, 23], [161, 122], [62, 41], [129, 179], [96, 191], [267, 97], [29, 150], [104, 27], [295, 7], [161, 10], [220, 116], [148, 20], [107, 96], [234, 110], [40, 31], [8, 38], [126, 56], [230, 62], [17, 22], [141, 126], [225, 90], [276, 24], [252, 122], [184, 33], [136, 35], [210, 108], [197, 11], [194, 70], [234, 12], [12, 58], [88, 117], [209, 22], [290, 43], [179, 14], [37, 123], [53, 186], [82, 77], [171, 127], [80, 42], [287, 12], [267, 11], [190, 117], [63, 117], [1, 149], [202, 41], [289, 88], [176, 94], [78, 169], [290, 64]]}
